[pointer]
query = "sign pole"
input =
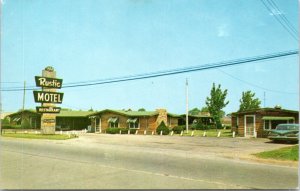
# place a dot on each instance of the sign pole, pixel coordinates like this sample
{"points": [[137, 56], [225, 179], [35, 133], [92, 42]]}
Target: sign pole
{"points": [[48, 97]]}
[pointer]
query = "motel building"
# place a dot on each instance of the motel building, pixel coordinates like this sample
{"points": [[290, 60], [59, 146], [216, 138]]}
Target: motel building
{"points": [[99, 121], [258, 122]]}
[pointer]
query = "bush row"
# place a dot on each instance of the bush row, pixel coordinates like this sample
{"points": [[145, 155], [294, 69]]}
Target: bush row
{"points": [[7, 126], [117, 130]]}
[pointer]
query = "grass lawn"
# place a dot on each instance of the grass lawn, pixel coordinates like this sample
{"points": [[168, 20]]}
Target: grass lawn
{"points": [[209, 133], [287, 153], [38, 136]]}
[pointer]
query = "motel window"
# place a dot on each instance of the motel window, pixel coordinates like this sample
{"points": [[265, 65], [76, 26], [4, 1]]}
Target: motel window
{"points": [[113, 122], [267, 125], [133, 123]]}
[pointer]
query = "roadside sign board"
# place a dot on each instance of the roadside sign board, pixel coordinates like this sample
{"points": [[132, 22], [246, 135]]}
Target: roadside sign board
{"points": [[47, 82], [49, 120], [48, 109], [48, 97]]}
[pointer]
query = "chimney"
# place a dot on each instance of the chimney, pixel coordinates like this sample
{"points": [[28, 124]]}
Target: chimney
{"points": [[162, 116]]}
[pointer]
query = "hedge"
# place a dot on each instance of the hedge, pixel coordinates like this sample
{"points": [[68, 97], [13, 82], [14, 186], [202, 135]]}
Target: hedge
{"points": [[162, 127]]}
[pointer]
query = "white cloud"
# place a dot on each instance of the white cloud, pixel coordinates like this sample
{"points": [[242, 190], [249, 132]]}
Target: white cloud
{"points": [[223, 31], [275, 12]]}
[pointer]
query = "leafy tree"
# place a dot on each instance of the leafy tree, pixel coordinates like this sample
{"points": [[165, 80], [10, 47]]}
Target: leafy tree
{"points": [[194, 111], [216, 102], [91, 109], [142, 109], [204, 109], [5, 121], [248, 101]]}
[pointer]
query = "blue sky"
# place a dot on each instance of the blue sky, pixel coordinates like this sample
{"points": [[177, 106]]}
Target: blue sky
{"points": [[97, 39]]}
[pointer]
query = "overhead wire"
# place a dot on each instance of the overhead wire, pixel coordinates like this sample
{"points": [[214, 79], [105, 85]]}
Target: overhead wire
{"points": [[255, 85], [286, 27], [285, 20], [170, 72]]}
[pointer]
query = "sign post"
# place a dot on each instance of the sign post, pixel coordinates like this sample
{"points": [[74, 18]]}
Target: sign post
{"points": [[48, 97]]}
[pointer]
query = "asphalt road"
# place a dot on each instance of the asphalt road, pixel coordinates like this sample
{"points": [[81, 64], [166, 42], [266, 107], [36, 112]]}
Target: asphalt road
{"points": [[135, 162]]}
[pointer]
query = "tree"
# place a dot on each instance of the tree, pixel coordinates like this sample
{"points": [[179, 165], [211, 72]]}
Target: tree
{"points": [[216, 102], [194, 111], [248, 101], [142, 109], [204, 109]]}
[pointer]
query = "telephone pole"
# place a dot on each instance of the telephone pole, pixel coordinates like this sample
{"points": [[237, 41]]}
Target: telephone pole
{"points": [[24, 91], [264, 99], [187, 106]]}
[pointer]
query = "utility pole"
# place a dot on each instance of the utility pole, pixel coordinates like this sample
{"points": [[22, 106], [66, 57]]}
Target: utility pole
{"points": [[264, 99], [23, 107], [187, 106]]}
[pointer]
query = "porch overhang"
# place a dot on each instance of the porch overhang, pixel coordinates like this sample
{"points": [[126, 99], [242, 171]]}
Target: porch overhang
{"points": [[112, 120], [131, 120], [277, 118]]}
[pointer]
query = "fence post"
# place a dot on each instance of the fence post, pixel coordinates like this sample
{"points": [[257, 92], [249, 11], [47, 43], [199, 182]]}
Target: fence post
{"points": [[204, 134], [160, 133], [145, 132], [192, 134], [152, 132], [120, 132], [136, 132], [172, 132], [219, 134], [181, 133], [233, 134]]}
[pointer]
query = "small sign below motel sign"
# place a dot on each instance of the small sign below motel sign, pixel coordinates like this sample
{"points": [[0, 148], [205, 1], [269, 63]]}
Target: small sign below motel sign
{"points": [[48, 109]]}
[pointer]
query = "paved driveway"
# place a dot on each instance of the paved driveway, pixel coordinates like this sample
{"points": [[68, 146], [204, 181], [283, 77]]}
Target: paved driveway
{"points": [[238, 148]]}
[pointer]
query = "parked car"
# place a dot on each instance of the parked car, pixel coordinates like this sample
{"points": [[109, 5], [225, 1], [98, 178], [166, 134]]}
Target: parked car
{"points": [[285, 132]]}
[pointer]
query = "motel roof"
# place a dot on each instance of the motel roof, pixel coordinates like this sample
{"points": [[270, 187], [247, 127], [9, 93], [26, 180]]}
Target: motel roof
{"points": [[131, 113], [267, 109]]}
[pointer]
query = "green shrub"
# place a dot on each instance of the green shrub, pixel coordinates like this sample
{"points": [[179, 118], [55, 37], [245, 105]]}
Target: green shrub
{"points": [[7, 126], [200, 126], [123, 130], [113, 130], [162, 127], [178, 129]]}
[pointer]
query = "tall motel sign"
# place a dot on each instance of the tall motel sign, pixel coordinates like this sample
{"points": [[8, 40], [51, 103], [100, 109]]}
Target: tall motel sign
{"points": [[48, 97]]}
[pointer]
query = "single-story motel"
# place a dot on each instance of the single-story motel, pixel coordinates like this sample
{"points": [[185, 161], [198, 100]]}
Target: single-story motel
{"points": [[251, 123], [101, 120]]}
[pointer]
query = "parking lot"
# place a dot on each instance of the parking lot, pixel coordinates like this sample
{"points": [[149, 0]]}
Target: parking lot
{"points": [[238, 148]]}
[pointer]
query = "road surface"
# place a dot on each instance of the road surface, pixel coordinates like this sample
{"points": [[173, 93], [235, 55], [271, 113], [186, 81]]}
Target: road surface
{"points": [[137, 162]]}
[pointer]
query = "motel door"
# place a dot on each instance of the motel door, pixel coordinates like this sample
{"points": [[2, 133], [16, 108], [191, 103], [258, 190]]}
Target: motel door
{"points": [[98, 125], [249, 125]]}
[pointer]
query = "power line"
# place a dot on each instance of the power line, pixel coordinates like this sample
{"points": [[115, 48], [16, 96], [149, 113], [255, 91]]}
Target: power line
{"points": [[254, 85], [173, 71], [285, 20], [286, 27]]}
